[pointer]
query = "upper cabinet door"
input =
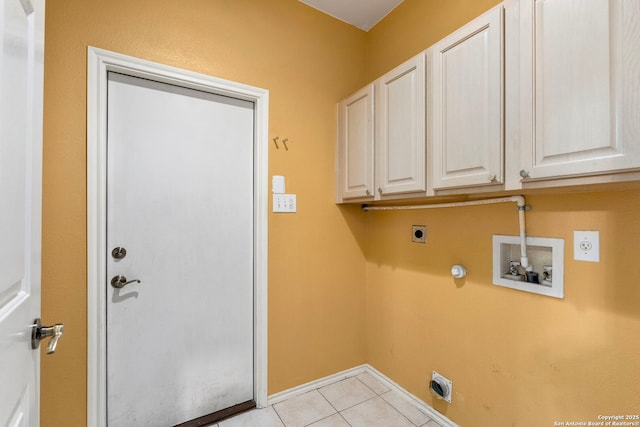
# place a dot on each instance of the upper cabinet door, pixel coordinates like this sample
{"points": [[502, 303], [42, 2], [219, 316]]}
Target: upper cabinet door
{"points": [[580, 93], [467, 94], [355, 145], [400, 118]]}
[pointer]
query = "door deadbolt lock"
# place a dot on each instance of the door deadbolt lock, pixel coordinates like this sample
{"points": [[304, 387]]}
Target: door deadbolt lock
{"points": [[39, 332], [119, 253], [120, 281]]}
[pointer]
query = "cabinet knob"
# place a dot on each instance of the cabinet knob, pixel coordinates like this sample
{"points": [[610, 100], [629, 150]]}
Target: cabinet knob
{"points": [[492, 177], [380, 190], [524, 173], [368, 193]]}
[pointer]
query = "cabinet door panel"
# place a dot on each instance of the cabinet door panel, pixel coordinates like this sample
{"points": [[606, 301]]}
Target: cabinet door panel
{"points": [[468, 99], [355, 149], [401, 129], [586, 75]]}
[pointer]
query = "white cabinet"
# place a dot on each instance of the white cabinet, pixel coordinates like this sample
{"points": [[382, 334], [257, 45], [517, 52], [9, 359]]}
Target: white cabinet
{"points": [[531, 94], [381, 137], [579, 72], [355, 145], [467, 114], [400, 129]]}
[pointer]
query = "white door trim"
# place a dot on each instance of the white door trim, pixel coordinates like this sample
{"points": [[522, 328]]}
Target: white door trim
{"points": [[99, 63]]}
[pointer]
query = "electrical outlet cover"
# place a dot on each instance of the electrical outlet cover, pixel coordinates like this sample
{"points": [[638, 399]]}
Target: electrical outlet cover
{"points": [[586, 246], [419, 234]]}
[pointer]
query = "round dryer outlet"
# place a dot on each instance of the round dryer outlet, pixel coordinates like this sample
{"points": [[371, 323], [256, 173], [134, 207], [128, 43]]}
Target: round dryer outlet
{"points": [[440, 387]]}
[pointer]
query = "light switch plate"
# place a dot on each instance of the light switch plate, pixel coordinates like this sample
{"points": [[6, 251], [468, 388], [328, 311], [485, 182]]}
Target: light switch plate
{"points": [[284, 203], [586, 245], [277, 184]]}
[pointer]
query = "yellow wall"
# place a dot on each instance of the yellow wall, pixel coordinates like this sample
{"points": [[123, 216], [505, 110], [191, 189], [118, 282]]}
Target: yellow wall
{"points": [[413, 26], [346, 287], [514, 358], [308, 61]]}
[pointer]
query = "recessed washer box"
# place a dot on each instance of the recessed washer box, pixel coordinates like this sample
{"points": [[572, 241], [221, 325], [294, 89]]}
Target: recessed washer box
{"points": [[546, 257]]}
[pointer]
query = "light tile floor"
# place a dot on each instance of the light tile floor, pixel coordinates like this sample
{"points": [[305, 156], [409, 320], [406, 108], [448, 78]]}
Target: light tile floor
{"points": [[359, 401]]}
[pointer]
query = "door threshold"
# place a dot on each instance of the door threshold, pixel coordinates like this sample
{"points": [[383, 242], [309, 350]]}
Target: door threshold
{"points": [[219, 415]]}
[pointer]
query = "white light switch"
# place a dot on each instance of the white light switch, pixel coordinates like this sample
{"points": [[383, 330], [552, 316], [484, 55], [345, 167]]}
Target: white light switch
{"points": [[586, 246], [284, 203], [277, 184]]}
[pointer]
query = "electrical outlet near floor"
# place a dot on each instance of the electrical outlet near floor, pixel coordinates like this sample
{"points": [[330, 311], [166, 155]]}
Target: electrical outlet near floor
{"points": [[586, 245], [419, 234], [441, 387]]}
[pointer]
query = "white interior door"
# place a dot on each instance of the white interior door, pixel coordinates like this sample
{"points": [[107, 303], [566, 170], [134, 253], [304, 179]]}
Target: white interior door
{"points": [[180, 202], [21, 71]]}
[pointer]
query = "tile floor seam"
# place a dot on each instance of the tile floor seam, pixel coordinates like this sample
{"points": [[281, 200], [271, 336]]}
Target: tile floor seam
{"points": [[402, 413], [328, 416], [386, 404], [277, 414], [397, 410], [366, 400], [374, 380], [344, 419], [363, 383], [390, 393], [336, 409], [325, 398]]}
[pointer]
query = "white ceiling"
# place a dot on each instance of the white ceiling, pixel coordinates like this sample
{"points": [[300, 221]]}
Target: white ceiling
{"points": [[363, 14]]}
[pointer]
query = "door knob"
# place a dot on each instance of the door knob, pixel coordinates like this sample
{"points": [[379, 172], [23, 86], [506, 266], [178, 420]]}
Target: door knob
{"points": [[120, 281], [39, 332], [119, 253]]}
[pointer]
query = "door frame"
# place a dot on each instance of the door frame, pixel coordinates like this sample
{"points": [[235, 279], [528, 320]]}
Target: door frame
{"points": [[99, 63]]}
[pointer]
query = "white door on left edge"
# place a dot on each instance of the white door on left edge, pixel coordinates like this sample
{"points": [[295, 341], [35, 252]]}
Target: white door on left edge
{"points": [[180, 221], [21, 72], [21, 77]]}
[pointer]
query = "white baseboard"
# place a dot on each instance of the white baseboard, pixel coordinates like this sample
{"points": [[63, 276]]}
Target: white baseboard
{"points": [[366, 368], [313, 385]]}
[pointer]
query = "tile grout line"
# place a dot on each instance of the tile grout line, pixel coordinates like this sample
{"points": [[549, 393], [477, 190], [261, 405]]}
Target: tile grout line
{"points": [[328, 416], [278, 415], [385, 400], [402, 413], [327, 400], [330, 404], [397, 410], [344, 419], [364, 384], [356, 404]]}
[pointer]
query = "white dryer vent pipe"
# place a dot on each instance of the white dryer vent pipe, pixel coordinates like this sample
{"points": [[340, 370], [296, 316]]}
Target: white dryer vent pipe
{"points": [[519, 200]]}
